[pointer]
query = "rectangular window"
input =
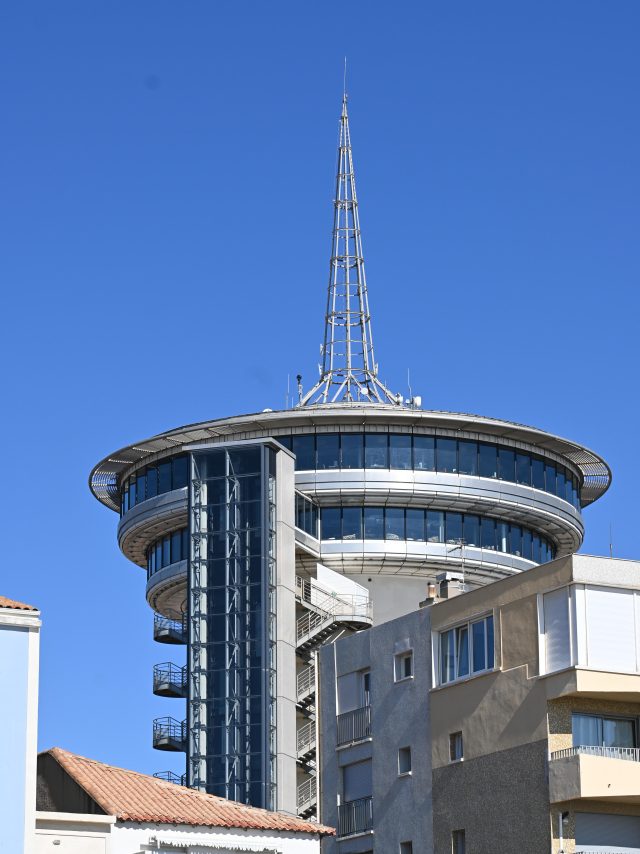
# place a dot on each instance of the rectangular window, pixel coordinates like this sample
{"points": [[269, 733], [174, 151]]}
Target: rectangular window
{"points": [[471, 530], [400, 451], [403, 666], [404, 760], [166, 551], [560, 483], [455, 747], [176, 546], [600, 731], [488, 534], [435, 526], [180, 472], [458, 845], [406, 848], [304, 447], [328, 451], [352, 450], [466, 649], [527, 544], [331, 529], [373, 523], [394, 523], [376, 451], [415, 524], [507, 464], [515, 540], [164, 477], [446, 455], [550, 478], [488, 460], [141, 486], [352, 523], [523, 469], [454, 527], [424, 453], [152, 482], [467, 457]]}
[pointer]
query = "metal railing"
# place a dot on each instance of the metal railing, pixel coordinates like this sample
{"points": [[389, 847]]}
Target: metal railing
{"points": [[306, 681], [170, 678], [631, 754], [306, 737], [169, 734], [171, 777], [307, 793], [169, 631], [355, 817], [354, 725], [328, 606]]}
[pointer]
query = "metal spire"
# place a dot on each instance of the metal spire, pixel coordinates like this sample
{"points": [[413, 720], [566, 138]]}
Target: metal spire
{"points": [[349, 371]]}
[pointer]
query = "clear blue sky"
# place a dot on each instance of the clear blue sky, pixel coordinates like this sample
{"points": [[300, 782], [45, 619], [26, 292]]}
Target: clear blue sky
{"points": [[166, 175]]}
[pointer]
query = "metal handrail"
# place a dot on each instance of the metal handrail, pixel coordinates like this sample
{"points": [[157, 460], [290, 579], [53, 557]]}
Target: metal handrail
{"points": [[631, 754], [307, 792], [328, 606], [306, 681], [171, 728], [171, 777], [306, 736], [164, 624], [169, 672], [354, 725], [355, 817]]}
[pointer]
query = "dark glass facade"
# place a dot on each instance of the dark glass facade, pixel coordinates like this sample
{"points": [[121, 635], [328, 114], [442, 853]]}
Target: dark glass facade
{"points": [[166, 550], [154, 480], [434, 526], [233, 600], [397, 451], [306, 515]]}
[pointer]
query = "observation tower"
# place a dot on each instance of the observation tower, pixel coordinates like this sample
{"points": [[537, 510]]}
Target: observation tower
{"points": [[266, 535]]}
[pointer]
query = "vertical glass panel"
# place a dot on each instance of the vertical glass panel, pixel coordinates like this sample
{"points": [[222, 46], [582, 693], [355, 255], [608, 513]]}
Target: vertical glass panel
{"points": [[446, 455], [467, 457], [132, 492], [462, 649], [141, 486], [376, 451], [415, 524], [471, 530], [488, 534], [515, 540], [535, 554], [400, 451], [352, 523], [180, 471], [374, 523], [328, 451], [424, 453], [550, 478], [490, 643], [125, 497], [435, 526], [245, 461], [537, 473], [152, 481], [394, 523], [158, 553], [304, 447], [488, 460], [286, 441], [331, 523], [560, 483], [185, 543], [527, 544], [523, 469], [618, 732], [479, 646], [586, 730], [447, 657], [502, 536], [568, 490], [352, 450], [176, 546], [453, 522], [166, 551], [164, 477], [507, 464]]}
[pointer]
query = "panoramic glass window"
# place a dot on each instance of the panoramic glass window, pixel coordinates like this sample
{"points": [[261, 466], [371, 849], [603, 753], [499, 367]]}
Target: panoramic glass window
{"points": [[400, 451], [352, 451], [424, 453], [373, 523], [446, 455], [328, 451], [467, 457], [376, 451], [466, 650], [154, 480], [488, 460], [352, 523], [506, 464]]}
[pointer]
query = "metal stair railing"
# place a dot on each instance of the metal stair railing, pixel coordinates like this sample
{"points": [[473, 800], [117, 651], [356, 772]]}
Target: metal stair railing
{"points": [[306, 738], [307, 793], [328, 607], [168, 673], [306, 682]]}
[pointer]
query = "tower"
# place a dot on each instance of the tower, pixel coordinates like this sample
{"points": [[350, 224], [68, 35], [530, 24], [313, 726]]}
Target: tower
{"points": [[265, 535]]}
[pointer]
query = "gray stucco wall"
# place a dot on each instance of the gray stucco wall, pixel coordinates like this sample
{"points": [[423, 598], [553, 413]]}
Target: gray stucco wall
{"points": [[501, 801], [401, 805]]}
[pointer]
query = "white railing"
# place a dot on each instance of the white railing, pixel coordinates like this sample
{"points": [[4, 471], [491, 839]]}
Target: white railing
{"points": [[631, 754], [306, 737], [307, 793], [329, 606], [306, 681]]}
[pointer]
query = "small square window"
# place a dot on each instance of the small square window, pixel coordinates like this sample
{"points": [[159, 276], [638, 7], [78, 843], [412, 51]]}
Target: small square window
{"points": [[404, 760], [403, 666], [406, 848], [458, 842], [455, 747]]}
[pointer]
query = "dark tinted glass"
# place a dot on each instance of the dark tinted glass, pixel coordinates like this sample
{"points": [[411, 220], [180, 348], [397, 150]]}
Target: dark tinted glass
{"points": [[164, 477], [374, 523], [488, 460], [507, 464], [352, 523], [141, 486], [435, 526], [304, 449], [550, 477], [286, 441], [490, 642], [180, 472], [488, 534], [394, 523], [515, 540], [328, 451], [424, 453], [527, 543], [502, 536], [244, 461], [166, 551], [152, 481], [467, 457], [560, 483], [471, 530], [132, 491], [331, 523], [568, 491], [352, 451], [453, 522], [537, 473], [446, 455], [399, 451], [523, 469], [376, 451], [415, 524], [535, 554], [176, 546]]}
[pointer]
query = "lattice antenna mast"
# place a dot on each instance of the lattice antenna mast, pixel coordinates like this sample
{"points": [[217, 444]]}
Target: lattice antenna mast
{"points": [[349, 371]]}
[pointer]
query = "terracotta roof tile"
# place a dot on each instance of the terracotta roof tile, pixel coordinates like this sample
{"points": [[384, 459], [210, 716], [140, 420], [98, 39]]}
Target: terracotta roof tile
{"points": [[131, 796], [10, 603]]}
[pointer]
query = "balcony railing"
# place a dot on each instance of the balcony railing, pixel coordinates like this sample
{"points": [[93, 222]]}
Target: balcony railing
{"points": [[354, 725], [169, 631], [169, 680], [307, 793], [306, 738], [169, 734], [171, 777], [306, 682], [355, 817], [631, 754]]}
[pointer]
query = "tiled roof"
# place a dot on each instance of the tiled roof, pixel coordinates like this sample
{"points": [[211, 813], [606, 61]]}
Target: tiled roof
{"points": [[131, 796], [10, 603]]}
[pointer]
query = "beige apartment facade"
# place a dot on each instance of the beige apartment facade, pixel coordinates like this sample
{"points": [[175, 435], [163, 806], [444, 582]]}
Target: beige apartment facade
{"points": [[535, 741]]}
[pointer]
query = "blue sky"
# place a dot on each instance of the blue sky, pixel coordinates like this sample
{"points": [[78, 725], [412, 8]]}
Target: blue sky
{"points": [[165, 213]]}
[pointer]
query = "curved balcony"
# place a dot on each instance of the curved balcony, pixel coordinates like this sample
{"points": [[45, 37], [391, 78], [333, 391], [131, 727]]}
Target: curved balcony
{"points": [[169, 680], [169, 631], [153, 518], [170, 734]]}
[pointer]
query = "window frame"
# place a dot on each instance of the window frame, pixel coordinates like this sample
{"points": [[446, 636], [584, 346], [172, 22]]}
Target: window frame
{"points": [[456, 631], [405, 752], [453, 740], [398, 666]]}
